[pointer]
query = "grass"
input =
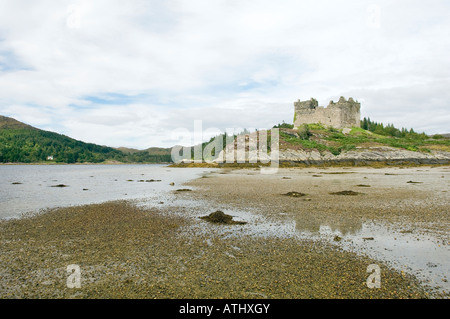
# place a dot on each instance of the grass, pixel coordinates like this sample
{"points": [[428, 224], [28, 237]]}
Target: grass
{"points": [[313, 144], [329, 139]]}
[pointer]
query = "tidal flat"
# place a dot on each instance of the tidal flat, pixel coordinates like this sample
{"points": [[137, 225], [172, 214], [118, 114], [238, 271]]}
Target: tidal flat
{"points": [[284, 247], [405, 225]]}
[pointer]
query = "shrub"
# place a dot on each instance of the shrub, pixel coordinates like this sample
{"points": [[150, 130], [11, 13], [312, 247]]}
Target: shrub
{"points": [[303, 132]]}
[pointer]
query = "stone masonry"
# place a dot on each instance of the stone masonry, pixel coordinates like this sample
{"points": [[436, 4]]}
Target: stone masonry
{"points": [[337, 114]]}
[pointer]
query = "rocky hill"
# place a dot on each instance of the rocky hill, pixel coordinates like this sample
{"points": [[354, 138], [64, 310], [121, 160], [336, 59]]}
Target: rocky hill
{"points": [[357, 146], [315, 144]]}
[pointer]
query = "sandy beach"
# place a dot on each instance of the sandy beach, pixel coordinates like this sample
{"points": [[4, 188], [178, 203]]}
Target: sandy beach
{"points": [[294, 243]]}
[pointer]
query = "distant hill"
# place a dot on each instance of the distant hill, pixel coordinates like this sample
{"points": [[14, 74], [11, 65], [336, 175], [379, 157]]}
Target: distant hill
{"points": [[159, 151], [11, 124], [150, 155], [22, 143], [127, 150], [151, 150]]}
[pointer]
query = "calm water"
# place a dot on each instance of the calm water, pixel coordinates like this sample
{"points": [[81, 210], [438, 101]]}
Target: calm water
{"points": [[28, 188]]}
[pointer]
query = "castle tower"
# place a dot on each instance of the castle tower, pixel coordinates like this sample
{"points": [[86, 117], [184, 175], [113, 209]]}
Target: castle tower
{"points": [[338, 115]]}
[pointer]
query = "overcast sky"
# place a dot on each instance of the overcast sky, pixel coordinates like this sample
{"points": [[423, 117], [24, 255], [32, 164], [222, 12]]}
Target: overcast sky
{"points": [[130, 73]]}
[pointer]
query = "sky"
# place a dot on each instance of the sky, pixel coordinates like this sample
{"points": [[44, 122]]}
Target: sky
{"points": [[142, 73]]}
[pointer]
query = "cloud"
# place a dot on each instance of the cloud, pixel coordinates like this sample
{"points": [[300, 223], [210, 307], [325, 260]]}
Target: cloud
{"points": [[129, 72]]}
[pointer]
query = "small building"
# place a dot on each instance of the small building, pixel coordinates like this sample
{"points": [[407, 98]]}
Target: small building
{"points": [[50, 158]]}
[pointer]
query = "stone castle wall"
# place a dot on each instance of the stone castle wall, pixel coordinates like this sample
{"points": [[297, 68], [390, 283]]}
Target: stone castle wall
{"points": [[338, 115]]}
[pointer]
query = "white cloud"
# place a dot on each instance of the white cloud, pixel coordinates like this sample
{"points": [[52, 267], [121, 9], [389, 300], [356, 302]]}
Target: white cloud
{"points": [[228, 63]]}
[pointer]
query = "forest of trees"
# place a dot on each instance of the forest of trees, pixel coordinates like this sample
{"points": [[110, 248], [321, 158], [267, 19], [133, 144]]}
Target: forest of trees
{"points": [[389, 129], [25, 145]]}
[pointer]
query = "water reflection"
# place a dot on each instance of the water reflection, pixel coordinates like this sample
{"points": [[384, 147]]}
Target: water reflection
{"points": [[314, 223]]}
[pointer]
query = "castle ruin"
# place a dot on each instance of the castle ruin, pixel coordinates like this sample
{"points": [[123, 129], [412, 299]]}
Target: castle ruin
{"points": [[337, 114]]}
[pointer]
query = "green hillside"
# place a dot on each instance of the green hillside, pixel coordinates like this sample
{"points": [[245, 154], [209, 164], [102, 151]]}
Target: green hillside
{"points": [[317, 137], [371, 134], [21, 143]]}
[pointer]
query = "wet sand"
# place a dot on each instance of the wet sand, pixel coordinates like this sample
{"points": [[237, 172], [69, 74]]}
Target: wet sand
{"points": [[129, 250], [397, 215]]}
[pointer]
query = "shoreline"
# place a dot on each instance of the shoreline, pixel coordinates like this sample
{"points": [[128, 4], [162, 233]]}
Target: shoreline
{"points": [[126, 250], [412, 162], [106, 163], [314, 164]]}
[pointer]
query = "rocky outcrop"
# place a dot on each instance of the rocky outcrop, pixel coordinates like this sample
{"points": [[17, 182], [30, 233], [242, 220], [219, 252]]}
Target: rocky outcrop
{"points": [[366, 156], [359, 156], [245, 150]]}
